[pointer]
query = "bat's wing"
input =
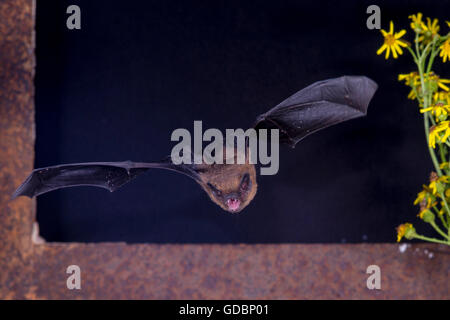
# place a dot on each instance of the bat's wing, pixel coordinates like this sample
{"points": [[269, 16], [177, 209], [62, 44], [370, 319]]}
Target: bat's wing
{"points": [[318, 106], [108, 175]]}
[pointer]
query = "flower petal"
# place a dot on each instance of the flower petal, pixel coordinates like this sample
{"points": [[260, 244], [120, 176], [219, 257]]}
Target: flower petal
{"points": [[401, 43], [400, 51], [442, 86], [394, 52], [400, 34], [382, 48], [445, 136]]}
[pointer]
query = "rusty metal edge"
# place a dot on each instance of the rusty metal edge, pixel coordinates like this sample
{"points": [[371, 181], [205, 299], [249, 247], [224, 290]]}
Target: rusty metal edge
{"points": [[148, 271]]}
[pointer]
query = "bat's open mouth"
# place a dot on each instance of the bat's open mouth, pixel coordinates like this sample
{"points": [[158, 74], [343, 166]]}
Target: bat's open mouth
{"points": [[233, 204]]}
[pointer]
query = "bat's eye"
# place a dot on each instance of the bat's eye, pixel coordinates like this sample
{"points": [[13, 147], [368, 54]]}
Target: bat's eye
{"points": [[214, 190], [245, 183]]}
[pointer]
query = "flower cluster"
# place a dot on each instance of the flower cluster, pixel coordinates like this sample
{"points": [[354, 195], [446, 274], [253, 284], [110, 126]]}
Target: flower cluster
{"points": [[432, 94]]}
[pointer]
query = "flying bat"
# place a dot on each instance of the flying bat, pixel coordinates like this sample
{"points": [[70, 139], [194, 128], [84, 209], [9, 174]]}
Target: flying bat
{"points": [[231, 186]]}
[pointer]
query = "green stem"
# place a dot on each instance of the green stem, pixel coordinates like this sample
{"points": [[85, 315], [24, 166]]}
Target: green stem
{"points": [[424, 52], [441, 152], [447, 209], [430, 62], [432, 120], [441, 217], [420, 65], [422, 81], [445, 202], [412, 53], [434, 225], [430, 149], [448, 222], [417, 236], [434, 52], [416, 41]]}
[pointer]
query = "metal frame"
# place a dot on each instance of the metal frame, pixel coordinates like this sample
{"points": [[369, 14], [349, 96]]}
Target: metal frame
{"points": [[29, 270]]}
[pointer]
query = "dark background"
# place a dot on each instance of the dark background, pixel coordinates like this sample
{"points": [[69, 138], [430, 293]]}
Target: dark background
{"points": [[116, 89]]}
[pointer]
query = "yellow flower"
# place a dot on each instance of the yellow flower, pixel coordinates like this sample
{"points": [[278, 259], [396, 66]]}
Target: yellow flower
{"points": [[432, 137], [426, 215], [392, 42], [441, 106], [432, 27], [435, 134], [445, 50], [444, 179], [439, 82], [412, 95], [438, 110], [441, 97], [420, 197], [425, 198], [421, 213], [448, 23], [427, 31], [442, 210], [417, 22], [405, 230], [410, 79], [436, 183]]}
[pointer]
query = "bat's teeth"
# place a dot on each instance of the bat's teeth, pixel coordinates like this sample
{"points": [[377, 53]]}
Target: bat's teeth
{"points": [[233, 204]]}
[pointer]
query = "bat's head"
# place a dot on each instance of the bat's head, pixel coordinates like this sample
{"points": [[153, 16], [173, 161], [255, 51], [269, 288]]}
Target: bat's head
{"points": [[232, 187]]}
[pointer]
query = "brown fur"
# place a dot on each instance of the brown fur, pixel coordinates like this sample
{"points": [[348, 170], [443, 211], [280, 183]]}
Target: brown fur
{"points": [[227, 179]]}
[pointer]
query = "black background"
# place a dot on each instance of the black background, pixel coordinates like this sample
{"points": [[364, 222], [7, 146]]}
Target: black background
{"points": [[116, 89]]}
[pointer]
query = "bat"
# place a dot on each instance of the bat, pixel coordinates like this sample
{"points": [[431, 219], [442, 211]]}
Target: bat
{"points": [[231, 186]]}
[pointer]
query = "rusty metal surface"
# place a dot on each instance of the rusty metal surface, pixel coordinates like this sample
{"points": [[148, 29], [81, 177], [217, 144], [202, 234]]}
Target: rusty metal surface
{"points": [[120, 271], [16, 141]]}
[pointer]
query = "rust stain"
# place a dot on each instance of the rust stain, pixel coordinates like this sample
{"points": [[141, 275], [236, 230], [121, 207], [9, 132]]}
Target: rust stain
{"points": [[120, 271]]}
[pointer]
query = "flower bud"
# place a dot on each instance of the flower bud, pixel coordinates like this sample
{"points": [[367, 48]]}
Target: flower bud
{"points": [[410, 232], [427, 216], [442, 117], [405, 230]]}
